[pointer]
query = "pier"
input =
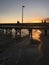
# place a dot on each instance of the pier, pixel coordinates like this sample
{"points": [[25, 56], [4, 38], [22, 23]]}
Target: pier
{"points": [[29, 26]]}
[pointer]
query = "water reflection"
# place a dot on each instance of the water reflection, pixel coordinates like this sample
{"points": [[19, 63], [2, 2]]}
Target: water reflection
{"points": [[36, 35], [13, 33]]}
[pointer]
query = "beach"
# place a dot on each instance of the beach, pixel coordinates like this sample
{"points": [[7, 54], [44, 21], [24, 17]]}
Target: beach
{"points": [[23, 51], [45, 59]]}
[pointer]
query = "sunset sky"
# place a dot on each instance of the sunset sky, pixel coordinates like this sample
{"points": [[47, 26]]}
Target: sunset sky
{"points": [[35, 10]]}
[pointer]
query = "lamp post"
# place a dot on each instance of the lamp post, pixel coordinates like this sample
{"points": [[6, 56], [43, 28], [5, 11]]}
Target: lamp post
{"points": [[22, 13]]}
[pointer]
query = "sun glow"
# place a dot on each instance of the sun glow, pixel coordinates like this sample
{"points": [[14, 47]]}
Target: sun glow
{"points": [[33, 20], [36, 34], [36, 21]]}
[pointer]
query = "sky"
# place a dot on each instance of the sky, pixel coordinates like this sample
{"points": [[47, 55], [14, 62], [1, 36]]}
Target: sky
{"points": [[34, 10]]}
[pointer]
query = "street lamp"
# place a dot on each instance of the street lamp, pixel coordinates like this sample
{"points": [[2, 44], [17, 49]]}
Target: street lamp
{"points": [[22, 13]]}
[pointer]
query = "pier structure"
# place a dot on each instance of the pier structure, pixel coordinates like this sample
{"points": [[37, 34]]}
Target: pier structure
{"points": [[19, 26]]}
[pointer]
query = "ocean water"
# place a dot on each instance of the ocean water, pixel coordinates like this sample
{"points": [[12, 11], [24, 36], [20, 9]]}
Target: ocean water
{"points": [[29, 53], [35, 33]]}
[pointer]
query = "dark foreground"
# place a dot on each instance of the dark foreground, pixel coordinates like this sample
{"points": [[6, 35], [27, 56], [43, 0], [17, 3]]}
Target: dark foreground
{"points": [[45, 59], [23, 52]]}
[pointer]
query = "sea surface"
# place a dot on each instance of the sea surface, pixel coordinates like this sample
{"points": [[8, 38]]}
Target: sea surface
{"points": [[35, 33], [24, 51]]}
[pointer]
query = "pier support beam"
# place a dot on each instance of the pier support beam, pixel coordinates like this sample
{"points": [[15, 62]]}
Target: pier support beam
{"points": [[6, 32], [1, 31], [45, 31], [9, 32], [18, 31], [30, 33], [45, 27]]}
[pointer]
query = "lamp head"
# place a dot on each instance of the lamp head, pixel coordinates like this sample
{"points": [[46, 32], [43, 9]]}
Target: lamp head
{"points": [[23, 6]]}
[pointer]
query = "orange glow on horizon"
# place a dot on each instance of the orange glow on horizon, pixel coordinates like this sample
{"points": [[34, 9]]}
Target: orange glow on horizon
{"points": [[14, 20], [8, 20], [36, 21], [33, 20]]}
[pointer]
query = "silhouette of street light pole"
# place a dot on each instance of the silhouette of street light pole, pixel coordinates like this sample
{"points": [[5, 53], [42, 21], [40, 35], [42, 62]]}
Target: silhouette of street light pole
{"points": [[22, 13]]}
